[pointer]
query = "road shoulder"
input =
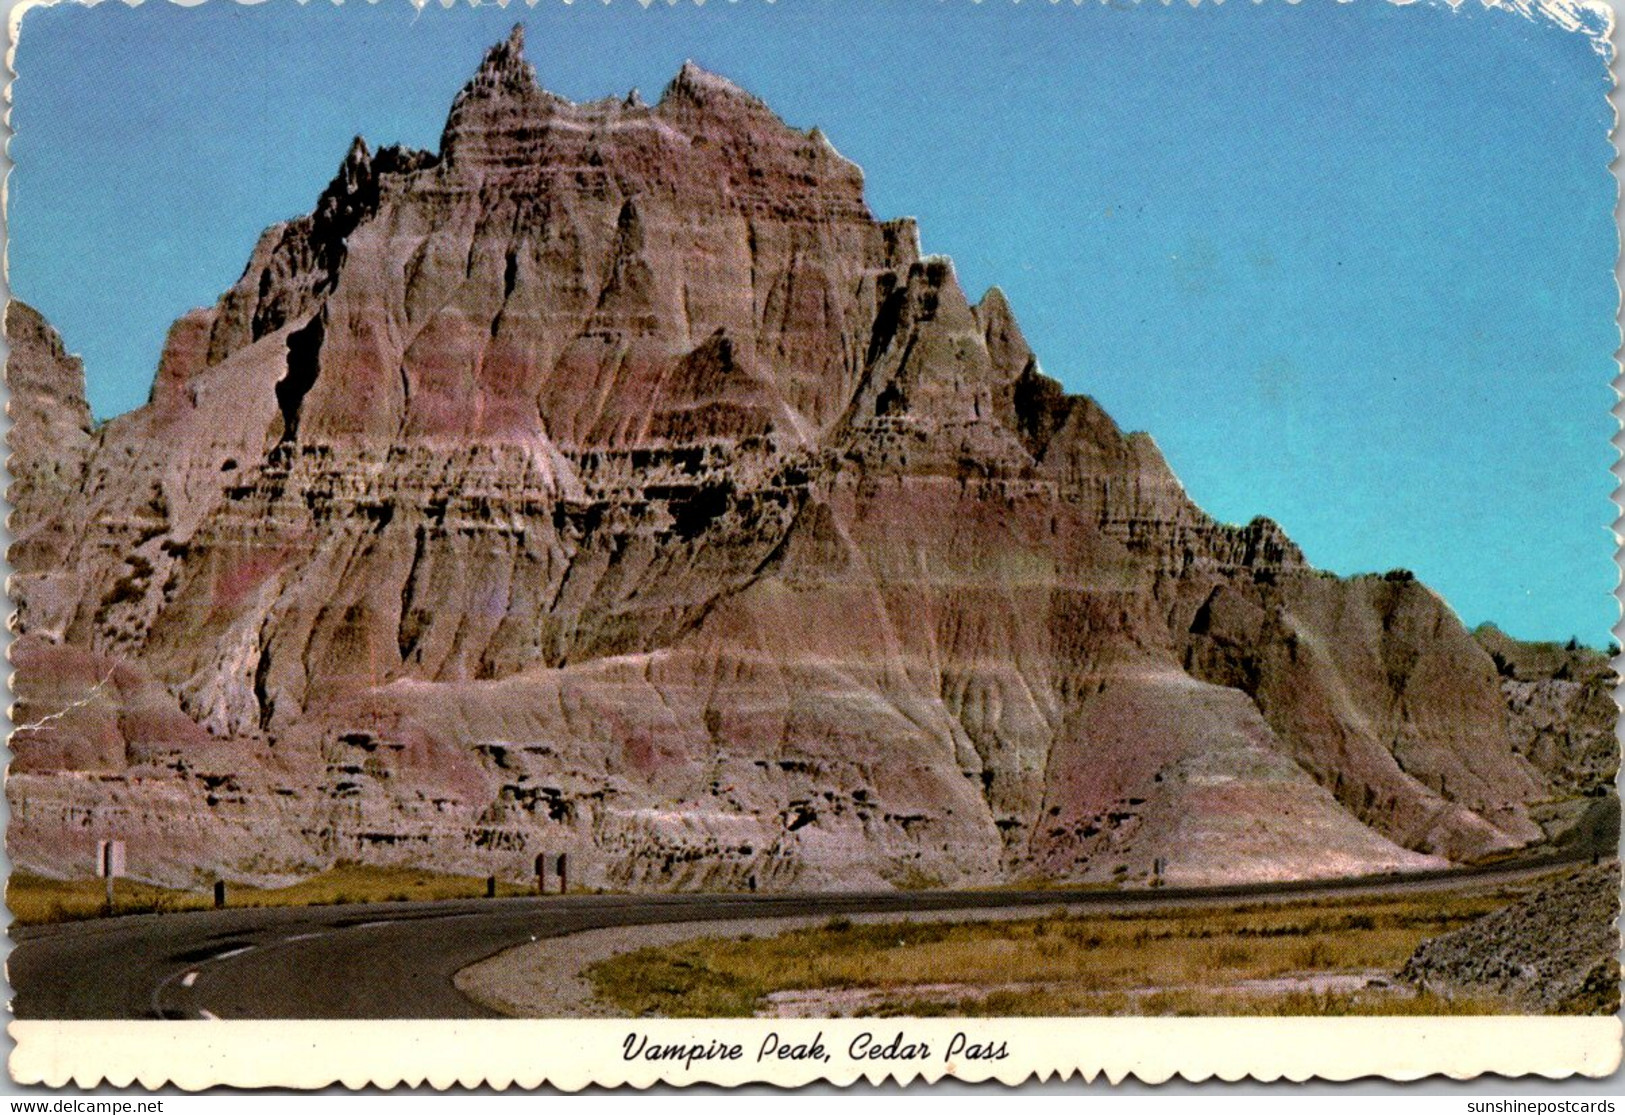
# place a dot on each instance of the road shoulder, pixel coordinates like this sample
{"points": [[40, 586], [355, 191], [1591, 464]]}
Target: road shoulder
{"points": [[546, 978]]}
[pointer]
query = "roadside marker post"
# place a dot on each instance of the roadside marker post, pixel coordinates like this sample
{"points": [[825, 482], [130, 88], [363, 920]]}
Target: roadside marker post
{"points": [[490, 886], [564, 873], [219, 894], [109, 864], [541, 872]]}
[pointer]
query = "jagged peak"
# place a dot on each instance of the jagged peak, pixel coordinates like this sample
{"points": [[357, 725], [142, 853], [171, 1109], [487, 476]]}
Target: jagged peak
{"points": [[354, 174], [634, 99], [1006, 345], [697, 76], [356, 167], [998, 319], [503, 74], [994, 302], [508, 55], [39, 367], [23, 320], [504, 66], [695, 83], [1269, 542], [820, 138]]}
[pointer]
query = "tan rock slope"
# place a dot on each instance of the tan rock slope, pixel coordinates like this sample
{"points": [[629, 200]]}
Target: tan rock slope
{"points": [[610, 481]]}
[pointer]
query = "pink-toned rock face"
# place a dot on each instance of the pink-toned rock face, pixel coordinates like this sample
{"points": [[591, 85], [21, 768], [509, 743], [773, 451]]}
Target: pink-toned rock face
{"points": [[48, 445], [611, 481]]}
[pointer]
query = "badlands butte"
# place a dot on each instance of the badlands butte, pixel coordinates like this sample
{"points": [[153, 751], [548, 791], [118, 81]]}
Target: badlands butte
{"points": [[610, 481]]}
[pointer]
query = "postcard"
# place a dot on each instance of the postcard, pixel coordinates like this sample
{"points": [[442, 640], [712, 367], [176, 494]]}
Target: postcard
{"points": [[597, 544]]}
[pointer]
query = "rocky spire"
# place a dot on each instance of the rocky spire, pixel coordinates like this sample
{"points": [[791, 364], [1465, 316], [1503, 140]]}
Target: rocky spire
{"points": [[504, 66], [50, 435], [1005, 344], [355, 175], [47, 384], [698, 86], [502, 90]]}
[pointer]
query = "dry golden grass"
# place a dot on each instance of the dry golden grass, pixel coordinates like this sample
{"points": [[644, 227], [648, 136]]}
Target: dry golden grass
{"points": [[37, 901], [34, 900], [1165, 962]]}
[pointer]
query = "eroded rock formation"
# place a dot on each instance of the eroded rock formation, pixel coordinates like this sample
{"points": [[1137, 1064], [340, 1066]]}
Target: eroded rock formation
{"points": [[611, 481]]}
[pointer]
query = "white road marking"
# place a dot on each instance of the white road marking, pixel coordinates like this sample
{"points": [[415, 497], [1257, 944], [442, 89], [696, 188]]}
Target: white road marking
{"points": [[208, 1014], [233, 952], [189, 978]]}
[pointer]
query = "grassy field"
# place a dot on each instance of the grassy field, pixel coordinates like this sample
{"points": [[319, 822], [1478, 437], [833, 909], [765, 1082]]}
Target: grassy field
{"points": [[1250, 959], [38, 901]]}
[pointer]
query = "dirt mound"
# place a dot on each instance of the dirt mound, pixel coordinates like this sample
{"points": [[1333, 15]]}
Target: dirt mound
{"points": [[1554, 952]]}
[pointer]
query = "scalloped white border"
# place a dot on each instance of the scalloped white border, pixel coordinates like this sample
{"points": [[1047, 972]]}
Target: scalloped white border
{"points": [[574, 1054]]}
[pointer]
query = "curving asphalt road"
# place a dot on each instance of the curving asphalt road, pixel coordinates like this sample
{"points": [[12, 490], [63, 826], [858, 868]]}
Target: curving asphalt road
{"points": [[397, 960]]}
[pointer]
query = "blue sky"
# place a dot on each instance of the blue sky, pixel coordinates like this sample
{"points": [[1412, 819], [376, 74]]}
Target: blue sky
{"points": [[1350, 264]]}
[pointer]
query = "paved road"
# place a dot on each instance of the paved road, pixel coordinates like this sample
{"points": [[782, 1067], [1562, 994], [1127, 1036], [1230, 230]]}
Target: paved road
{"points": [[397, 960]]}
